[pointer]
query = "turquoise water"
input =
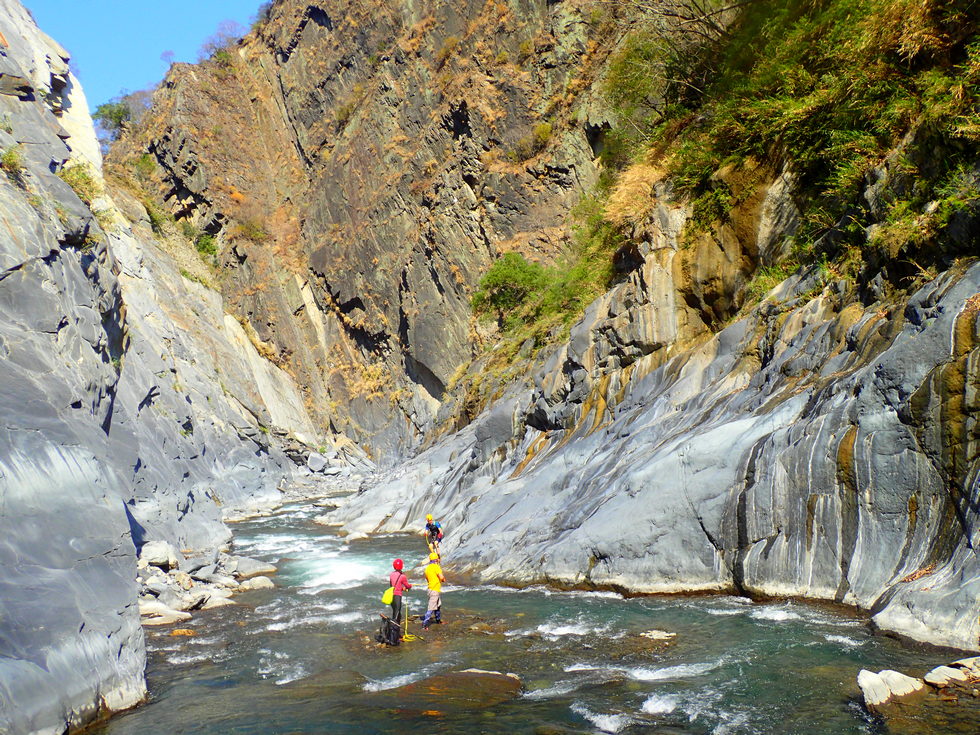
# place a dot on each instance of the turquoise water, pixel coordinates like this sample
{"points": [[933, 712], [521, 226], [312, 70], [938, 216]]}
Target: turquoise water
{"points": [[301, 658]]}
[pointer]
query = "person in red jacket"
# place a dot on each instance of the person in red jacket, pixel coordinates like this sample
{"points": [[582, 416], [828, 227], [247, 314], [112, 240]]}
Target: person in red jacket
{"points": [[399, 581]]}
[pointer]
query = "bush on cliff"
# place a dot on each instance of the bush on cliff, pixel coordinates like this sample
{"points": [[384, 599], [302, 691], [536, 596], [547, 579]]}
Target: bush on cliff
{"points": [[508, 285], [828, 88]]}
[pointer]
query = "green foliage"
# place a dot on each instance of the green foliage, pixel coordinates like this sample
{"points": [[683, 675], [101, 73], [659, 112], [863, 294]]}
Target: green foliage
{"points": [[223, 57], [206, 245], [827, 86], [712, 206], [12, 162], [530, 301], [112, 116], [501, 58], [5, 124], [531, 145], [144, 166], [448, 47], [127, 108], [510, 281], [525, 50], [766, 279], [79, 177], [251, 230]]}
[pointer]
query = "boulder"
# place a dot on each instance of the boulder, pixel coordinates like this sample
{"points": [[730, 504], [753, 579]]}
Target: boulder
{"points": [[899, 684], [257, 583], [182, 579], [159, 554], [205, 573], [942, 676], [214, 602], [252, 568], [157, 613], [971, 665], [316, 462], [874, 688], [199, 561]]}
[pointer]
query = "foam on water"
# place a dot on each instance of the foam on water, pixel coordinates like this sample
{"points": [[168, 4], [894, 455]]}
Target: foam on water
{"points": [[280, 667], [843, 640], [666, 673], [337, 573], [559, 689], [295, 623], [393, 682], [775, 614], [179, 659], [612, 723], [348, 617], [660, 704]]}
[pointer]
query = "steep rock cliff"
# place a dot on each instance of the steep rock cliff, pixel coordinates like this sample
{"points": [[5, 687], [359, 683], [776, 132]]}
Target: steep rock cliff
{"points": [[821, 445], [392, 152], [135, 408]]}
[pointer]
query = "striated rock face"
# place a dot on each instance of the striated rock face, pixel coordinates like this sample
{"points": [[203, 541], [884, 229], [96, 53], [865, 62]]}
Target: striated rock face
{"points": [[815, 447], [393, 151], [133, 409]]}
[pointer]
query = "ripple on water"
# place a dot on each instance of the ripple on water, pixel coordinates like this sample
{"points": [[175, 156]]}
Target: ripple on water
{"points": [[279, 667]]}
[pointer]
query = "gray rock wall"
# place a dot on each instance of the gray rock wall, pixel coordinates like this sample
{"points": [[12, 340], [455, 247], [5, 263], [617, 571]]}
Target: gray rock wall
{"points": [[133, 409], [815, 448]]}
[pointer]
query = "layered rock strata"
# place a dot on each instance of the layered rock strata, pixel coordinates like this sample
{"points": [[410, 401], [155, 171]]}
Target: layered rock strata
{"points": [[393, 151], [817, 446], [134, 407]]}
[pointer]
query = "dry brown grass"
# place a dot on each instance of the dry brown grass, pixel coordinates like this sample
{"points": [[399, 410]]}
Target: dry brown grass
{"points": [[632, 199]]}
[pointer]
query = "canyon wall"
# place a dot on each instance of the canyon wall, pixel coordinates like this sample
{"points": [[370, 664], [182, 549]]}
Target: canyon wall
{"points": [[392, 151], [818, 446], [134, 406]]}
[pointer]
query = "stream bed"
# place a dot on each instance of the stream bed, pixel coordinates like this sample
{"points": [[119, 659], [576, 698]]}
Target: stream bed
{"points": [[301, 658]]}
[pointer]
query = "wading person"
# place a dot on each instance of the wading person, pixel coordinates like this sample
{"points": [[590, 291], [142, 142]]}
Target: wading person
{"points": [[435, 578], [432, 533], [399, 583]]}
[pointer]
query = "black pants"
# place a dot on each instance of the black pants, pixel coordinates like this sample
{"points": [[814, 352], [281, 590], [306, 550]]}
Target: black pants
{"points": [[394, 631]]}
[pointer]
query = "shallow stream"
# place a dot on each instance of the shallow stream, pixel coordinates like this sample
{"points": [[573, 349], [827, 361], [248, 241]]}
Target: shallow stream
{"points": [[301, 658]]}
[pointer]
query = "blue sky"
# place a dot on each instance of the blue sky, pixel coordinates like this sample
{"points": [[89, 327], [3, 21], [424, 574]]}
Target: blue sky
{"points": [[116, 44]]}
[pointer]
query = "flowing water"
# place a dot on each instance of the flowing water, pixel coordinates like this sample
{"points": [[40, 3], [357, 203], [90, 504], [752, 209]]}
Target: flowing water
{"points": [[301, 658]]}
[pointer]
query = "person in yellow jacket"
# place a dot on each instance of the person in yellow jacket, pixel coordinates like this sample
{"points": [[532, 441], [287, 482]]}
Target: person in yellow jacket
{"points": [[435, 578]]}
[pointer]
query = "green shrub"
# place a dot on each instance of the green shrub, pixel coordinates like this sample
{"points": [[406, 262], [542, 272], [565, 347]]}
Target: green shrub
{"points": [[531, 145], [448, 46], [144, 166], [12, 162], [251, 230], [206, 245], [79, 177], [510, 281], [189, 230]]}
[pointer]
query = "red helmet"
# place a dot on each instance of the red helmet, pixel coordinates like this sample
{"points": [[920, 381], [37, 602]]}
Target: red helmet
{"points": [[397, 564]]}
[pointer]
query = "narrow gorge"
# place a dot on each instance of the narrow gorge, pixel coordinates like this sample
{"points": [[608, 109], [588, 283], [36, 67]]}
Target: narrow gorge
{"points": [[630, 308]]}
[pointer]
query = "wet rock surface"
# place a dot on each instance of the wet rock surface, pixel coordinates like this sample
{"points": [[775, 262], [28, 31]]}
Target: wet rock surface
{"points": [[133, 412], [775, 458]]}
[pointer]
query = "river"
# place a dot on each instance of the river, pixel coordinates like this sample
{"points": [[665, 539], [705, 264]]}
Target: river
{"points": [[300, 659]]}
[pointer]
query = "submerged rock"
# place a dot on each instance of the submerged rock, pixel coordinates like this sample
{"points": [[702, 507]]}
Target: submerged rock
{"points": [[453, 692]]}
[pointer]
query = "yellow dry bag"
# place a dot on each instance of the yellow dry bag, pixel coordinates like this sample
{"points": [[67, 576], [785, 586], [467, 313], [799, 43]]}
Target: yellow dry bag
{"points": [[388, 596]]}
